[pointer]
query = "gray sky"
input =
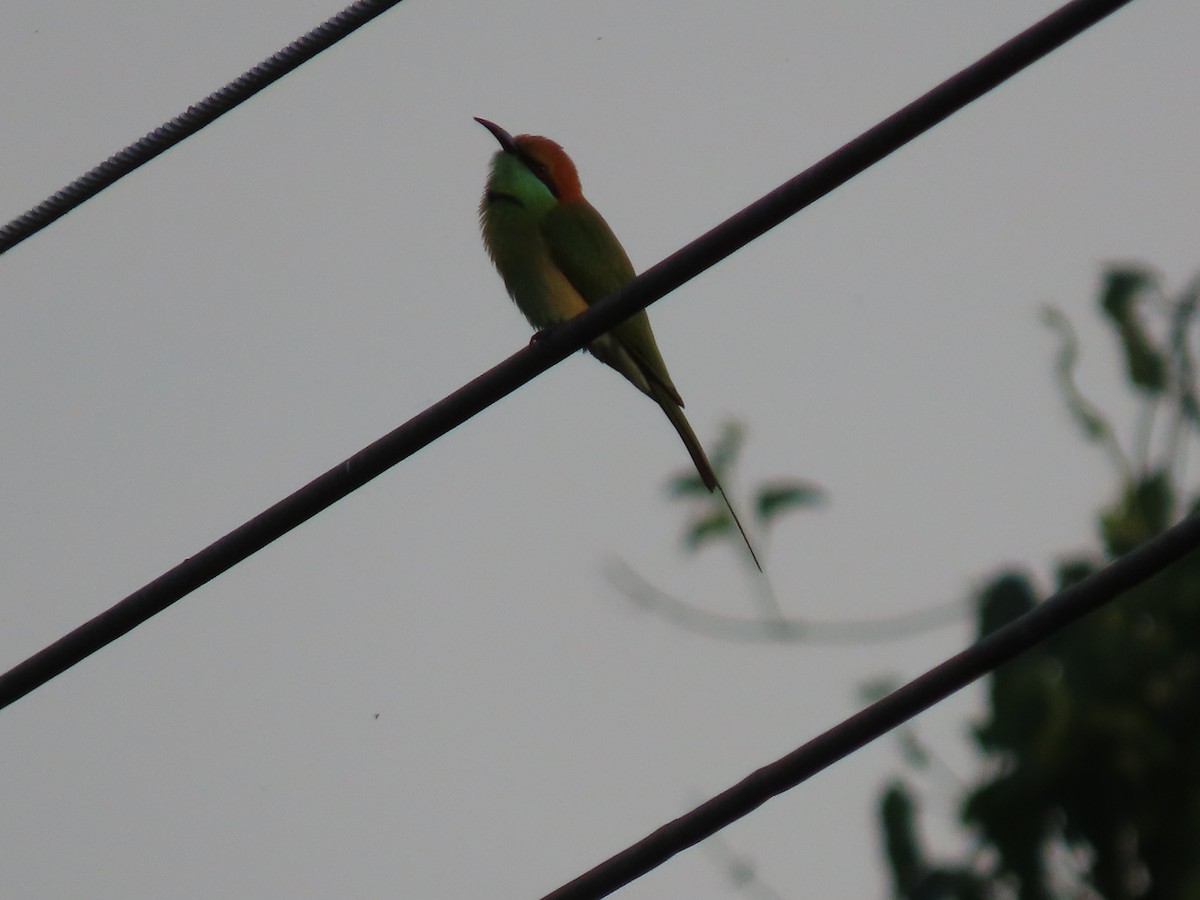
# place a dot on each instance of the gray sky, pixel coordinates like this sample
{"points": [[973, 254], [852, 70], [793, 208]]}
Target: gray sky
{"points": [[431, 690]]}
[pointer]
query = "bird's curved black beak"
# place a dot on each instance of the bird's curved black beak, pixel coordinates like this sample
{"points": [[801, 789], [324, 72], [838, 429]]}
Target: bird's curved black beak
{"points": [[507, 142]]}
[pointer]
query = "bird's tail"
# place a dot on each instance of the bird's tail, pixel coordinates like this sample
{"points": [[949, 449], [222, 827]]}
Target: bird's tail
{"points": [[696, 450]]}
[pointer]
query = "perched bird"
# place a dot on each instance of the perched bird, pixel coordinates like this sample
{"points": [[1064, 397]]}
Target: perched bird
{"points": [[557, 256]]}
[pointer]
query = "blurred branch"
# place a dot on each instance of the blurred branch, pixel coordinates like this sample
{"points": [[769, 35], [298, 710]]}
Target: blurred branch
{"points": [[783, 629], [1183, 368], [1091, 421]]}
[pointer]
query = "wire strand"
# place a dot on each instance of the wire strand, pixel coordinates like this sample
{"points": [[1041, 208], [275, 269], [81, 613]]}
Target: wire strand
{"points": [[570, 336], [192, 120]]}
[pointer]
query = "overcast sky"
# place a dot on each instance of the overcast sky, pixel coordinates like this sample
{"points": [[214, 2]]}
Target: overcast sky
{"points": [[432, 690]]}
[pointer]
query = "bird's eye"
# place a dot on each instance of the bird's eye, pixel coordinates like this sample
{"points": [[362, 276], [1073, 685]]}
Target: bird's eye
{"points": [[541, 171]]}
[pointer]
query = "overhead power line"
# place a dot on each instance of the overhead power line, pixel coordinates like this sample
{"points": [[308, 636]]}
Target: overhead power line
{"points": [[700, 254], [938, 683], [192, 120]]}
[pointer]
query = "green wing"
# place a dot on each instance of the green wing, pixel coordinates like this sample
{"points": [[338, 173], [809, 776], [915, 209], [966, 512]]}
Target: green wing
{"points": [[587, 252]]}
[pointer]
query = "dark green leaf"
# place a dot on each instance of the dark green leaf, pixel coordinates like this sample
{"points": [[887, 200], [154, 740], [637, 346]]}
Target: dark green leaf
{"points": [[727, 447], [1145, 364], [709, 528], [877, 689], [1144, 511], [687, 484], [778, 497], [1007, 596], [897, 814], [1121, 288]]}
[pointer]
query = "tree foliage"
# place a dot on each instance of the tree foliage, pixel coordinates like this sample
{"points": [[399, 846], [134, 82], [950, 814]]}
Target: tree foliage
{"points": [[1091, 742]]}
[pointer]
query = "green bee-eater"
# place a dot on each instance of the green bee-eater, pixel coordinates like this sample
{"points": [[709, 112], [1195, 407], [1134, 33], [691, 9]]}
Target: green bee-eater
{"points": [[557, 255]]}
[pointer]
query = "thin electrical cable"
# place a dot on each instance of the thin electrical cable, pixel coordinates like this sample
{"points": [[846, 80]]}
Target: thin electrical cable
{"points": [[937, 684], [192, 120], [503, 379]]}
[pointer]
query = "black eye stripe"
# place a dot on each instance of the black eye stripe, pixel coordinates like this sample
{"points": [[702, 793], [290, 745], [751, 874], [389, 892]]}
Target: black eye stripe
{"points": [[541, 170]]}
